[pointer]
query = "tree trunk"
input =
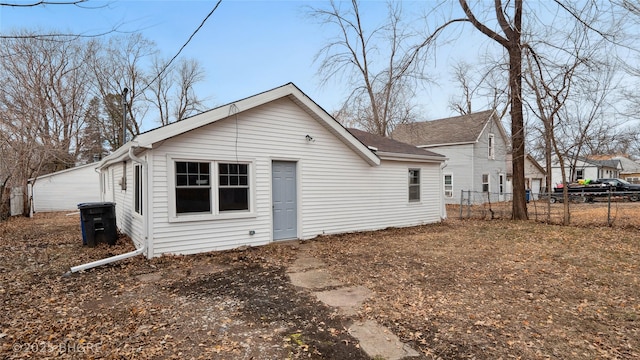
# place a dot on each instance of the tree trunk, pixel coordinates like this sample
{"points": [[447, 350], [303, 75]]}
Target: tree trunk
{"points": [[519, 205]]}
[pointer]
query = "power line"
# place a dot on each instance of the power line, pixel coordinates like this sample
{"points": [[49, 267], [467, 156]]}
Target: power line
{"points": [[183, 46]]}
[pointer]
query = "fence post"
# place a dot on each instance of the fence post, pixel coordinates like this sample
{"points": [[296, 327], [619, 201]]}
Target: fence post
{"points": [[461, 202], [468, 204], [609, 209]]}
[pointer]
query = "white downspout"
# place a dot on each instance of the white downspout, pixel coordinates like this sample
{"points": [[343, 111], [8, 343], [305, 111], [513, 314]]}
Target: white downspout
{"points": [[115, 258]]}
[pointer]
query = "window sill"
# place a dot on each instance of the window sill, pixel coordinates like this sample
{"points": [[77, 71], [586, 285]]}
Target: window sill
{"points": [[211, 217]]}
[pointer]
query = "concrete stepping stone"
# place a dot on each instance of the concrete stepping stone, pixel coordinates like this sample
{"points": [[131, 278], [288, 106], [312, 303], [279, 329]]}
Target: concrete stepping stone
{"points": [[347, 299], [306, 262], [314, 279], [378, 342]]}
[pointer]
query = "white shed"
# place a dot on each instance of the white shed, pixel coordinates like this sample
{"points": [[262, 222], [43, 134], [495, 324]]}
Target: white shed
{"points": [[269, 167], [64, 190]]}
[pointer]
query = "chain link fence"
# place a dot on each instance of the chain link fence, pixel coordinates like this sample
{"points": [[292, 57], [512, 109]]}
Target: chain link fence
{"points": [[594, 209]]}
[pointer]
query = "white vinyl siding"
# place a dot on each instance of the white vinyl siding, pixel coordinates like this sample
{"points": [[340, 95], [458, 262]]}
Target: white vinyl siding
{"points": [[127, 220], [64, 190], [326, 203], [461, 167]]}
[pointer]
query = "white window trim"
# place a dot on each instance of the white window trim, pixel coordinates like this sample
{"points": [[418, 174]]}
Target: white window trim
{"points": [[419, 200], [215, 212], [488, 182], [140, 190], [444, 184], [491, 144]]}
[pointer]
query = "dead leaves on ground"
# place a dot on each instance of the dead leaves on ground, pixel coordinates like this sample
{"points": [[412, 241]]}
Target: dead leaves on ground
{"points": [[460, 289]]}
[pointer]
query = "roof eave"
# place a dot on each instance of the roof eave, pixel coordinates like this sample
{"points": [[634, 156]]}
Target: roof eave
{"points": [[447, 144], [410, 157]]}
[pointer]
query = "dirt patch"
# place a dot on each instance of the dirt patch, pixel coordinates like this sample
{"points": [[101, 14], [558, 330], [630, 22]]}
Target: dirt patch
{"points": [[228, 305]]}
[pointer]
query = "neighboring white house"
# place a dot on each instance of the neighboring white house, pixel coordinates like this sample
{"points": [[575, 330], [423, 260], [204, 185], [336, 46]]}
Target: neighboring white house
{"points": [[584, 169], [535, 176], [64, 190], [476, 146], [629, 169], [270, 167]]}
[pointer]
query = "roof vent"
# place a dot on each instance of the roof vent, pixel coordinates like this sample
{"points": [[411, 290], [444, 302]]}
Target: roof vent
{"points": [[372, 148]]}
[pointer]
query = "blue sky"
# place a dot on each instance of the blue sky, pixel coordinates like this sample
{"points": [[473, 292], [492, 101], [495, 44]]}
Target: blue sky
{"points": [[246, 47]]}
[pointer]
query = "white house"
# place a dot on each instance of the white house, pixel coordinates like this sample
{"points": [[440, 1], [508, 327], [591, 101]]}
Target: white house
{"points": [[535, 176], [584, 168], [269, 167], [64, 190], [476, 146]]}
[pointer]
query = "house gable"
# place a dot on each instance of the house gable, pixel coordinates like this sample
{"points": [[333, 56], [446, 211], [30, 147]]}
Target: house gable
{"points": [[476, 146], [290, 91]]}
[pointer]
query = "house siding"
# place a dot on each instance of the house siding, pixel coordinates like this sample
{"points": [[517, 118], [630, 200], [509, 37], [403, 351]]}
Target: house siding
{"points": [[64, 190], [460, 167], [338, 191], [127, 220], [469, 161], [482, 164]]}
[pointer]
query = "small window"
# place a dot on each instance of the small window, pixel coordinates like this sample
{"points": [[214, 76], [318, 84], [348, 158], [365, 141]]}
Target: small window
{"points": [[448, 185], [414, 184], [137, 178], [491, 143], [233, 187], [193, 187], [501, 184], [579, 174], [485, 182]]}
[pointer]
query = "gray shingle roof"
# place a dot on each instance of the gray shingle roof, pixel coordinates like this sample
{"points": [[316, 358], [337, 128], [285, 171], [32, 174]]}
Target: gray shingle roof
{"points": [[453, 130], [385, 144]]}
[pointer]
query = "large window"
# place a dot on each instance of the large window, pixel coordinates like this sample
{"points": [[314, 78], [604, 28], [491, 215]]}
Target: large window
{"points": [[448, 185], [233, 187], [137, 179], [211, 189], [414, 184], [193, 187]]}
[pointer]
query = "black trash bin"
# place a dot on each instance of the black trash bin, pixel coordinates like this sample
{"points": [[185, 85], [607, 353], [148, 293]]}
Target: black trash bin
{"points": [[98, 223], [528, 195]]}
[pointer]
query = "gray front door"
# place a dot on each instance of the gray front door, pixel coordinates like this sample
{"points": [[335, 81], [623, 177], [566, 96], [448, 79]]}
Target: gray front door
{"points": [[285, 218]]}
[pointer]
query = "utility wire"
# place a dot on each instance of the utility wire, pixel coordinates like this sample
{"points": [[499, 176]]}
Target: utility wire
{"points": [[183, 46]]}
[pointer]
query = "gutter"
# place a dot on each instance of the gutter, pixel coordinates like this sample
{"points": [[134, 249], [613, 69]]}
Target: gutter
{"points": [[136, 252]]}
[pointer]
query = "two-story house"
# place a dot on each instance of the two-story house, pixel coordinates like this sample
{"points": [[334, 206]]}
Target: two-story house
{"points": [[477, 147]]}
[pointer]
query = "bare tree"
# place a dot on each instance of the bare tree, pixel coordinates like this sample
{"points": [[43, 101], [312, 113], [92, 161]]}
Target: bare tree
{"points": [[172, 92], [54, 35], [476, 83], [42, 101], [118, 65], [509, 18], [380, 65]]}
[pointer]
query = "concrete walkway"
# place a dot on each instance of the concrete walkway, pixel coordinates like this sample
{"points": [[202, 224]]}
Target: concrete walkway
{"points": [[376, 340]]}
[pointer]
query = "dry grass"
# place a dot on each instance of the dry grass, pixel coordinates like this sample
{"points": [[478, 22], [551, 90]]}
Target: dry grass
{"points": [[600, 213], [489, 290], [461, 289]]}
